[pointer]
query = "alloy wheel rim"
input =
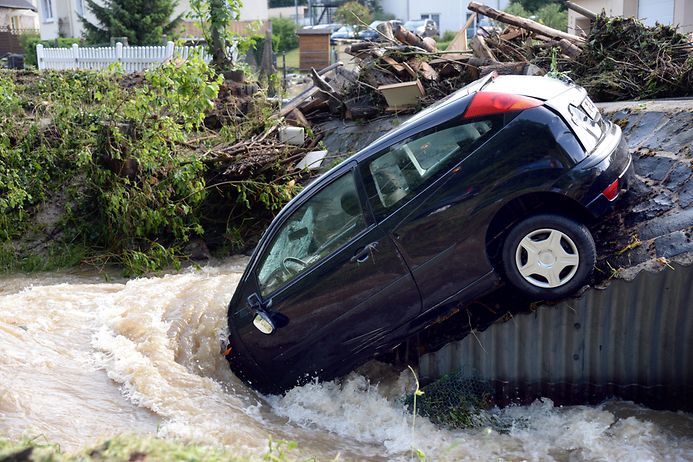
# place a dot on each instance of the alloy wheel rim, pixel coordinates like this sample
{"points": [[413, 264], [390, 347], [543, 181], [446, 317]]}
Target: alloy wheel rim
{"points": [[547, 258]]}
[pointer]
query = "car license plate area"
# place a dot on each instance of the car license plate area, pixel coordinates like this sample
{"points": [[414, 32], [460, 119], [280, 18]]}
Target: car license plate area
{"points": [[589, 107]]}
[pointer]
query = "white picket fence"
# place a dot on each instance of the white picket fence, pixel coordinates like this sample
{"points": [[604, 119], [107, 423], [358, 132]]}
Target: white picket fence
{"points": [[133, 59]]}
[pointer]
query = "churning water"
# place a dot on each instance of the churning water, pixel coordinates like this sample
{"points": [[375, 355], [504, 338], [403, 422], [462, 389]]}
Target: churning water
{"points": [[84, 360]]}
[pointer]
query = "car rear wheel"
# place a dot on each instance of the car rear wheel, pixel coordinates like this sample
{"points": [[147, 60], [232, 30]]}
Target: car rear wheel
{"points": [[548, 256]]}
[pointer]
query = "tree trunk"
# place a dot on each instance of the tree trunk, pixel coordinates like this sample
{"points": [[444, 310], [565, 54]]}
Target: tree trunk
{"points": [[404, 36]]}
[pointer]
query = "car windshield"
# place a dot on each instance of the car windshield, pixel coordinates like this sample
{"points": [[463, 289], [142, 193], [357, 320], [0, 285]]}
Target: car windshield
{"points": [[344, 29], [321, 225]]}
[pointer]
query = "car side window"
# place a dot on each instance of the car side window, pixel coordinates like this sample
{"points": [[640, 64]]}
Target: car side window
{"points": [[322, 224], [407, 167]]}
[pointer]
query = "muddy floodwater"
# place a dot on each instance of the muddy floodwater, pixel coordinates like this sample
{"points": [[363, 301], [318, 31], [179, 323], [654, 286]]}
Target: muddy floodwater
{"points": [[82, 360]]}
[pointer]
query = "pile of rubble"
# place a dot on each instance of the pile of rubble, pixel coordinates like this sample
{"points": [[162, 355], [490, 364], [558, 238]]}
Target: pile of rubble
{"points": [[620, 59]]}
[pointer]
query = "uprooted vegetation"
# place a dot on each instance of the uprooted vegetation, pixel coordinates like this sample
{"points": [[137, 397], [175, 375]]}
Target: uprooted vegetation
{"points": [[621, 59], [110, 168]]}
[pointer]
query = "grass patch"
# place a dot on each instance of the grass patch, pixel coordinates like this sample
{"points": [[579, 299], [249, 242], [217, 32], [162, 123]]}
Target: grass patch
{"points": [[57, 256], [292, 59], [137, 448]]}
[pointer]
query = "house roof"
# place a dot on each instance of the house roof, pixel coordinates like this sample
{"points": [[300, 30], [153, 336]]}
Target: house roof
{"points": [[17, 4]]}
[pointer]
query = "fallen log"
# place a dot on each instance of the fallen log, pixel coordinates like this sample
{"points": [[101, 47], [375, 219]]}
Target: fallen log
{"points": [[481, 49], [516, 68], [569, 49], [404, 36], [524, 23]]}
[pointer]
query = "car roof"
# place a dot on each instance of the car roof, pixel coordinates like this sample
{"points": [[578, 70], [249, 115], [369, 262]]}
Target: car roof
{"points": [[440, 112]]}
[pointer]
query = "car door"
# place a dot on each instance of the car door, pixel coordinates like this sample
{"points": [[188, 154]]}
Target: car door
{"points": [[334, 283], [425, 199]]}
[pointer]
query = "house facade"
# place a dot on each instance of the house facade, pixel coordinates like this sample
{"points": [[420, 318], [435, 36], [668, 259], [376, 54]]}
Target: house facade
{"points": [[18, 15], [449, 15], [61, 18], [676, 12]]}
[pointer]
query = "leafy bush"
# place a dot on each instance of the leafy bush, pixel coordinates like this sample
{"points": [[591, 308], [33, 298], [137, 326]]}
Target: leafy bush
{"points": [[29, 42], [285, 30], [118, 152], [448, 36], [553, 16]]}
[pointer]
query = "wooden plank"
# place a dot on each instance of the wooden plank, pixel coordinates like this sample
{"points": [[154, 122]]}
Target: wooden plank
{"points": [[481, 49], [459, 43], [404, 94]]}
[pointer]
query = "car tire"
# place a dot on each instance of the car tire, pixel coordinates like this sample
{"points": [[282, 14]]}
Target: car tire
{"points": [[548, 256]]}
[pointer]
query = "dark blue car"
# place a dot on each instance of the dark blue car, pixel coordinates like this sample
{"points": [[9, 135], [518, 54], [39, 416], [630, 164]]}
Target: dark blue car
{"points": [[496, 183]]}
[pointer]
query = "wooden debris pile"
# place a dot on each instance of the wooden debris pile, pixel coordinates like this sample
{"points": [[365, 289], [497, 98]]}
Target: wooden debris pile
{"points": [[620, 59]]}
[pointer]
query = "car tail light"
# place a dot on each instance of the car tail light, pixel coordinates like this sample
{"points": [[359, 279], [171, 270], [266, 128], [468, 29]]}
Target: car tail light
{"points": [[611, 191], [485, 103]]}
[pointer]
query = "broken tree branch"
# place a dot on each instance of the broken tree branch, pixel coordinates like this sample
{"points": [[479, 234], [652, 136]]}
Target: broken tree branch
{"points": [[523, 23], [582, 10]]}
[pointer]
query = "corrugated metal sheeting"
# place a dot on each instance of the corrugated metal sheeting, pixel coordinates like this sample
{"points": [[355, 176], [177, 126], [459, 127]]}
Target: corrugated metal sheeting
{"points": [[633, 340]]}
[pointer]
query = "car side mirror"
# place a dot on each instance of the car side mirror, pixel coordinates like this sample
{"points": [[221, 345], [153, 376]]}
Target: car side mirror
{"points": [[263, 323]]}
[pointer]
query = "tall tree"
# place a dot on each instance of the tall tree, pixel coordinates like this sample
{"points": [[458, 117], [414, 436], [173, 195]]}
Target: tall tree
{"points": [[353, 13], [534, 5], [143, 22]]}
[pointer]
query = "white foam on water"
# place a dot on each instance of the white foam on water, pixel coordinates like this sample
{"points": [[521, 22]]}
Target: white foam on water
{"points": [[82, 362]]}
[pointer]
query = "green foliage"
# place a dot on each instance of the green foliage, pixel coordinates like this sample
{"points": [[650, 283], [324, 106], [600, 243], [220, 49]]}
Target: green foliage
{"points": [[29, 42], [517, 9], [457, 401], [285, 30], [213, 17], [448, 36], [140, 188], [353, 13], [143, 22], [548, 13], [114, 158], [533, 5], [553, 15], [131, 447]]}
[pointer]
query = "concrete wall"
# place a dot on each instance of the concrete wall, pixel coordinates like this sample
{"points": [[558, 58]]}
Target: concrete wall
{"points": [[453, 15]]}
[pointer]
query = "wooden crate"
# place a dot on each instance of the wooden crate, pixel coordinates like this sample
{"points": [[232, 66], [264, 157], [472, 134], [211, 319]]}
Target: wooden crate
{"points": [[314, 48]]}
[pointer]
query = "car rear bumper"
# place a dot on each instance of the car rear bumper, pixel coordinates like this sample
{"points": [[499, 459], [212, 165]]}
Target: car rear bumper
{"points": [[614, 162], [601, 204]]}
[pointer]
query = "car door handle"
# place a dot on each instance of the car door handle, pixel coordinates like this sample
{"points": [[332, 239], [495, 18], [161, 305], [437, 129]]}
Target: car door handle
{"points": [[363, 254]]}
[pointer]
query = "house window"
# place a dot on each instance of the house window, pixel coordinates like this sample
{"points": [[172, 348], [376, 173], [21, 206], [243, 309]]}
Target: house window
{"points": [[434, 16], [16, 23], [47, 8], [79, 7]]}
